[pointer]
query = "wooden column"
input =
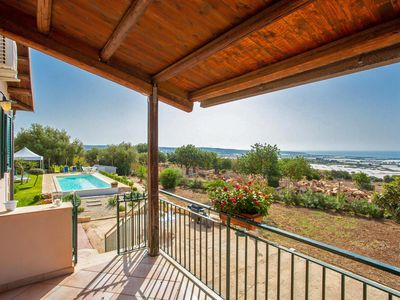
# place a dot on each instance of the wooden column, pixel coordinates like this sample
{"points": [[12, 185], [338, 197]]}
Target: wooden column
{"points": [[152, 175]]}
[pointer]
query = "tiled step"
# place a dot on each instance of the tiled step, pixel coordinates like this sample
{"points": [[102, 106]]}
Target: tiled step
{"points": [[94, 204]]}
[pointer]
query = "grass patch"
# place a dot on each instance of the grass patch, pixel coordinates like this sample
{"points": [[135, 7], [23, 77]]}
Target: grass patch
{"points": [[25, 192]]}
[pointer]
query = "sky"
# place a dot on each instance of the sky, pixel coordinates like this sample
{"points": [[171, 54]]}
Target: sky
{"points": [[354, 112]]}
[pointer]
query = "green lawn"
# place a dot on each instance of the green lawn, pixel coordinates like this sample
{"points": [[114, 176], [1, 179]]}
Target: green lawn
{"points": [[25, 193]]}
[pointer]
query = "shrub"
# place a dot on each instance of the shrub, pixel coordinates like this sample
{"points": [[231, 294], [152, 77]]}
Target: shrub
{"points": [[121, 207], [215, 184], [81, 209], [121, 179], [69, 197], [38, 198], [365, 208], [112, 201], [196, 184], [363, 181], [338, 174], [169, 178], [389, 200]]}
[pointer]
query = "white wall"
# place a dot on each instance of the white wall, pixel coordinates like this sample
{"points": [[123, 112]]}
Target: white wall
{"points": [[3, 88]]}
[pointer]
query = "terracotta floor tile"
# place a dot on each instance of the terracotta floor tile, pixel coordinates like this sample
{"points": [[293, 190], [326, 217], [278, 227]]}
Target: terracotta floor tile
{"points": [[35, 291]]}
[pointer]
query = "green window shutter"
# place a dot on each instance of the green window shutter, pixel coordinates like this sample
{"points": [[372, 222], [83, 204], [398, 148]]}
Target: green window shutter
{"points": [[2, 143], [9, 143]]}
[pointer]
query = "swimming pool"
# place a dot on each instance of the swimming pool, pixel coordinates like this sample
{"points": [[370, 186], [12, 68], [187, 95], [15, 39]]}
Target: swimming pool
{"points": [[81, 182]]}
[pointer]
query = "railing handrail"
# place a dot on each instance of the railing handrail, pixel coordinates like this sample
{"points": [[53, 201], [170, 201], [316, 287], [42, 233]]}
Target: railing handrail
{"points": [[348, 254]]}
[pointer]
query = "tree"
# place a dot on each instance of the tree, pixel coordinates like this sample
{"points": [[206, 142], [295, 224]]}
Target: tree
{"points": [[295, 168], [141, 148], [36, 172], [363, 181], [389, 200], [141, 173], [92, 156], [262, 160], [53, 144], [122, 156], [188, 156]]}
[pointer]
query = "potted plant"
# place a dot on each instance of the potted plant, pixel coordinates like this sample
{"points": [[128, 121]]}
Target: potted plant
{"points": [[241, 201], [114, 184], [10, 205]]}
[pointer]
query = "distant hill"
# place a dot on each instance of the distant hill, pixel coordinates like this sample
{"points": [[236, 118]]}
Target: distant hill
{"points": [[226, 152]]}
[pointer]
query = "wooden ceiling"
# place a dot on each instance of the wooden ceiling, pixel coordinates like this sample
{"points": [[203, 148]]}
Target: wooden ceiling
{"points": [[212, 51], [21, 92]]}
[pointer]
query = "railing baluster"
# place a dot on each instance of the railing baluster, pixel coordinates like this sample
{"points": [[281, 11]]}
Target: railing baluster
{"points": [[206, 225], [200, 250], [228, 258], [255, 268], [190, 243], [220, 258], [364, 291], [245, 268], [180, 236], [213, 257], [237, 267], [292, 277], [184, 238], [323, 282], [307, 279], [194, 245], [118, 229], [266, 269], [132, 222], [343, 287], [278, 277]]}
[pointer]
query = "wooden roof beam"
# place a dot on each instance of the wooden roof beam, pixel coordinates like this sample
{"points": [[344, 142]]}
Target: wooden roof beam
{"points": [[19, 105], [43, 16], [19, 91], [21, 28], [375, 38], [355, 64], [130, 18], [266, 17]]}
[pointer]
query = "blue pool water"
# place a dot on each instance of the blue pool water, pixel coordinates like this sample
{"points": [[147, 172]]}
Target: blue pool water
{"points": [[81, 182]]}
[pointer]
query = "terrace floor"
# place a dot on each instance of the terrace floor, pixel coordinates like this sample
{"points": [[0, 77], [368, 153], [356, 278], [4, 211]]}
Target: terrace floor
{"points": [[108, 276]]}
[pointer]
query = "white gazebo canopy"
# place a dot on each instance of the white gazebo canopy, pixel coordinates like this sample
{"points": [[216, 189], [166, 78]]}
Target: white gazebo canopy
{"points": [[26, 154]]}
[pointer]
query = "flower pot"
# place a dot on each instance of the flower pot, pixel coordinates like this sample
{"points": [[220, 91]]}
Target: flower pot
{"points": [[234, 221], [11, 205], [114, 184]]}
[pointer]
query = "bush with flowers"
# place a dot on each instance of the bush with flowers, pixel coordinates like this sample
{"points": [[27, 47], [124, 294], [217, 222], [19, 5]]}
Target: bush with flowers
{"points": [[240, 199]]}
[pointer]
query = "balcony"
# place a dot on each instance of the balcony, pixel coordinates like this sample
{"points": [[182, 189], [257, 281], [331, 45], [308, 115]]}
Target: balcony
{"points": [[197, 252]]}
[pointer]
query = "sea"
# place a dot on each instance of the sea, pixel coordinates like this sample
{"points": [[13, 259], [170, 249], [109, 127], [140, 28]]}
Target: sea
{"points": [[373, 163]]}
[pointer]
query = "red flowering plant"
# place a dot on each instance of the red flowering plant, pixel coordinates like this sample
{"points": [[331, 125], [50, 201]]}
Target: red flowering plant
{"points": [[240, 199]]}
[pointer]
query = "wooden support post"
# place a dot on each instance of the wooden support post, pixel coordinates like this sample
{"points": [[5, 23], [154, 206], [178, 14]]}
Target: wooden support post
{"points": [[152, 175]]}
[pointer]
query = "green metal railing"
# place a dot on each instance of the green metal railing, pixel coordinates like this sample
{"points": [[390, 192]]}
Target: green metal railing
{"points": [[76, 202], [237, 264], [131, 222]]}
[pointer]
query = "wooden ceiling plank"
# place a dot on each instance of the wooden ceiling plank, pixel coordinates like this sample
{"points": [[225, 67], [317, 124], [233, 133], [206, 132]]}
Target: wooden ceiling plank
{"points": [[358, 63], [130, 18], [266, 17], [21, 28], [19, 91], [375, 38], [43, 16]]}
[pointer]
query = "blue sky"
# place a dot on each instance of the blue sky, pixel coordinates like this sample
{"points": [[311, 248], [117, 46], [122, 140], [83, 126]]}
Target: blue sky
{"points": [[354, 112]]}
